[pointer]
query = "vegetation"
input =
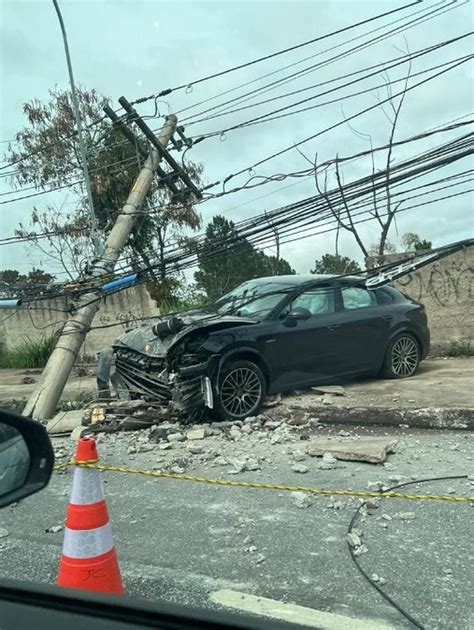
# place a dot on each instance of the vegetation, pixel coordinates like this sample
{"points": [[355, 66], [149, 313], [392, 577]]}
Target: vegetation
{"points": [[335, 264], [113, 163], [461, 348], [13, 283], [411, 242], [30, 354], [226, 259]]}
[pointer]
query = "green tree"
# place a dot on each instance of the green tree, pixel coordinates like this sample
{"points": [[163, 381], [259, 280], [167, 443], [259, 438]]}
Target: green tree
{"points": [[47, 156], [226, 259], [335, 264], [411, 242], [14, 284]]}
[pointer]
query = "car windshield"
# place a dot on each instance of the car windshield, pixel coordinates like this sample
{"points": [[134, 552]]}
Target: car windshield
{"points": [[255, 299]]}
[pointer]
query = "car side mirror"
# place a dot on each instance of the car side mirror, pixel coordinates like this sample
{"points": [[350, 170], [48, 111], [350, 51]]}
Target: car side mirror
{"points": [[26, 457], [296, 315]]}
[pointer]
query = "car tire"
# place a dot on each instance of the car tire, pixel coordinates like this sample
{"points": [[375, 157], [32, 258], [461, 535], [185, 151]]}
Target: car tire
{"points": [[402, 357], [241, 391]]}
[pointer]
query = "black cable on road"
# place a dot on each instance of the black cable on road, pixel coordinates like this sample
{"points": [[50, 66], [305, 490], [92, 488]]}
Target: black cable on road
{"points": [[364, 573]]}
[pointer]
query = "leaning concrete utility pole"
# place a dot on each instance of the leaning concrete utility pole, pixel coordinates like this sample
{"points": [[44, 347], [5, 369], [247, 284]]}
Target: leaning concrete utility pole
{"points": [[42, 403]]}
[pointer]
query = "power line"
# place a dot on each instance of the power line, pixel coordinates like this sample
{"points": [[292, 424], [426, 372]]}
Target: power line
{"points": [[334, 126], [429, 14], [272, 55], [398, 61], [268, 117]]}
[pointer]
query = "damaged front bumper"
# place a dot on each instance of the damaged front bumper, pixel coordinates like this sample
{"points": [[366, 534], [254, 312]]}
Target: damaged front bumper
{"points": [[134, 374]]}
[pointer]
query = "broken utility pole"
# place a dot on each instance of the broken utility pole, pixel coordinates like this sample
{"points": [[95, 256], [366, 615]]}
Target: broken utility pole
{"points": [[42, 403]]}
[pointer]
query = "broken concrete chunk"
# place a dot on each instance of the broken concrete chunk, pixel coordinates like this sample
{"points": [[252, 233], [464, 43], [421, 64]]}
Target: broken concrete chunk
{"points": [[66, 421], [327, 400], [260, 558], [272, 401], [55, 529], [298, 419], [252, 464], [176, 437], [353, 539], [194, 449], [4, 532], [374, 486], [272, 424], [166, 446], [238, 466], [300, 468], [199, 434], [328, 462], [301, 499], [333, 390], [372, 450], [360, 550], [298, 455], [235, 433], [162, 431]]}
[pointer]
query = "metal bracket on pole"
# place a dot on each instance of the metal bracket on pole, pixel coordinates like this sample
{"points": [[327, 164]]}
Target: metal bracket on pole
{"points": [[134, 117], [130, 136]]}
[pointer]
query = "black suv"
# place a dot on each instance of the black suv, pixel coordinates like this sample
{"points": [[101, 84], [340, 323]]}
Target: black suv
{"points": [[266, 336]]}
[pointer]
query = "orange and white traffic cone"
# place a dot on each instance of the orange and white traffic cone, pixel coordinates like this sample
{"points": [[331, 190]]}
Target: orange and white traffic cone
{"points": [[88, 560]]}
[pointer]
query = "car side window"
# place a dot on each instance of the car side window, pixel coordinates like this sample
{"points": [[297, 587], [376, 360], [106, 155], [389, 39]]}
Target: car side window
{"points": [[357, 297], [318, 301]]}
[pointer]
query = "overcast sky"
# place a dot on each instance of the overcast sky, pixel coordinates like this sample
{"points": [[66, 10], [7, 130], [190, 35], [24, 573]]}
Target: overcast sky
{"points": [[136, 48]]}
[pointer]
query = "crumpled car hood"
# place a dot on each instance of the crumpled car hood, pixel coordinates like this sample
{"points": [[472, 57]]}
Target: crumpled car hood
{"points": [[143, 339]]}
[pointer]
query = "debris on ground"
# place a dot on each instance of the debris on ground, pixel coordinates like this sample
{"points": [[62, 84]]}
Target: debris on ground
{"points": [[272, 401], [333, 390], [372, 450], [300, 468], [4, 532], [66, 421], [55, 529], [27, 380], [353, 539], [301, 499], [328, 462]]}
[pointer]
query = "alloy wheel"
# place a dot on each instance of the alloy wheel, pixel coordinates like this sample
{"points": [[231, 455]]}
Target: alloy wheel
{"points": [[241, 391], [404, 356]]}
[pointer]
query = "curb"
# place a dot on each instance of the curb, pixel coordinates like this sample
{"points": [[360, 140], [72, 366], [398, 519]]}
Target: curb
{"points": [[455, 418]]}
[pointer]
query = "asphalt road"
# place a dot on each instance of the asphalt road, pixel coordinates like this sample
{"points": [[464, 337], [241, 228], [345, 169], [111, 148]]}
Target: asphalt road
{"points": [[184, 542]]}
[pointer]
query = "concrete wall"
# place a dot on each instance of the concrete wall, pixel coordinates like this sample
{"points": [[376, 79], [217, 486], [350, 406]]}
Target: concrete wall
{"points": [[45, 317], [446, 288]]}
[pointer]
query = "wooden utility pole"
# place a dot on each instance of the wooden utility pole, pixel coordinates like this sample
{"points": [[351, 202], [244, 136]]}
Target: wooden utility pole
{"points": [[42, 403]]}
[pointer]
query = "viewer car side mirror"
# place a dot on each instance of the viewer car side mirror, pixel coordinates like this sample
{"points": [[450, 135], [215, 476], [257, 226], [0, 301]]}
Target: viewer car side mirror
{"points": [[26, 457], [296, 315]]}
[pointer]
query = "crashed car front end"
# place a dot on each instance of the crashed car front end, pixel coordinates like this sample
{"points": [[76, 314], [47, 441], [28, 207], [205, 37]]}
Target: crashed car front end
{"points": [[166, 360]]}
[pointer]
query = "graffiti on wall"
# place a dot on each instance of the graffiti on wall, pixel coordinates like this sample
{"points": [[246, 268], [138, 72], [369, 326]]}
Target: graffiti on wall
{"points": [[127, 319], [446, 283]]}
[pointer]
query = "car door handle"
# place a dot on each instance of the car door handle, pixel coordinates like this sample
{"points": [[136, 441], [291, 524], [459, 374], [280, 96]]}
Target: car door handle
{"points": [[387, 318], [333, 326]]}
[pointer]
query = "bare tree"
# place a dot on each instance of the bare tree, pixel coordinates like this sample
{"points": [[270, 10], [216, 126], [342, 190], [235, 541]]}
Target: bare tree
{"points": [[383, 209], [59, 236]]}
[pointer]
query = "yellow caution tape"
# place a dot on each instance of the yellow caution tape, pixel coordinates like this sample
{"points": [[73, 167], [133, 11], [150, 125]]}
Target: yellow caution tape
{"points": [[269, 486]]}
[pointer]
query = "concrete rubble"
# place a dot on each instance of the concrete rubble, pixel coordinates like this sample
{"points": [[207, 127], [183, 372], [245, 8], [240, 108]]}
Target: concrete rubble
{"points": [[372, 450]]}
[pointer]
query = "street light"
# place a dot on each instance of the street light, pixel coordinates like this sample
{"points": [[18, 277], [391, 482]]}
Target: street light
{"points": [[82, 148]]}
